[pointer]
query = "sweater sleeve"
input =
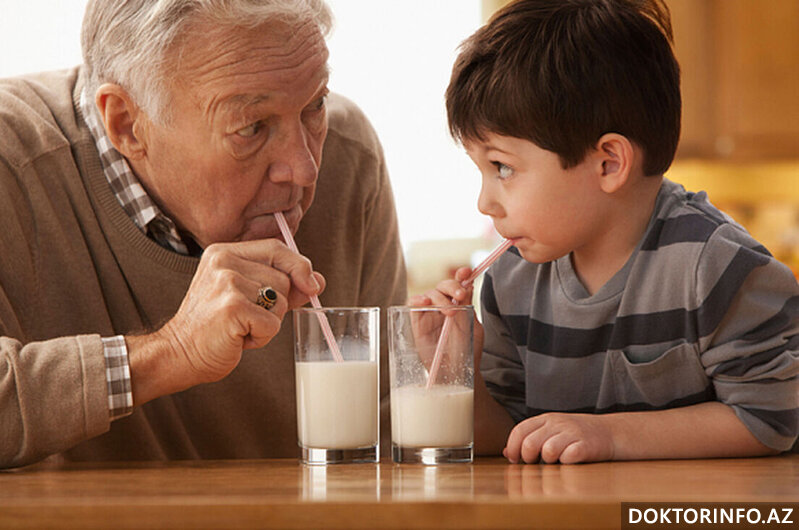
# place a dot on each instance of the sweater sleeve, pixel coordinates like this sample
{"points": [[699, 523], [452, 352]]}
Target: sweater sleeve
{"points": [[52, 396], [53, 393], [501, 366], [748, 323]]}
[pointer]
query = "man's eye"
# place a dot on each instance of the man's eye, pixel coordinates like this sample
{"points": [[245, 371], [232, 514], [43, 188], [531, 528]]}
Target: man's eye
{"points": [[319, 104], [250, 130]]}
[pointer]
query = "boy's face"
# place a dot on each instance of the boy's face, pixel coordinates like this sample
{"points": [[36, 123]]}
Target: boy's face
{"points": [[548, 211]]}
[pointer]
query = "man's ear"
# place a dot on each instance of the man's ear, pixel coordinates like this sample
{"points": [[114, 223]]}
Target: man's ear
{"points": [[616, 155], [123, 120]]}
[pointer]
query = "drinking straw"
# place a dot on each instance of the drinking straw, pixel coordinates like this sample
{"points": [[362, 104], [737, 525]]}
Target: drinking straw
{"points": [[323, 323], [442, 339]]}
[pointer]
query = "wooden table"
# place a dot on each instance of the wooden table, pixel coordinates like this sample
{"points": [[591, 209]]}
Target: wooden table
{"points": [[285, 494]]}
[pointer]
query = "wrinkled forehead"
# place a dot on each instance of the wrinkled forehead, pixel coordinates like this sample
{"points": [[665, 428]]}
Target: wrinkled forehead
{"points": [[205, 45], [241, 99], [237, 63]]}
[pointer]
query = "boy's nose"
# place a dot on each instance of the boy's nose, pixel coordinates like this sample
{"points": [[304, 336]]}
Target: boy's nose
{"points": [[486, 203]]}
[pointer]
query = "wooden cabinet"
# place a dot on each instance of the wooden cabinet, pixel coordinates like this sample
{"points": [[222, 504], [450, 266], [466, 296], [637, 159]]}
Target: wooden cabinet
{"points": [[740, 78]]}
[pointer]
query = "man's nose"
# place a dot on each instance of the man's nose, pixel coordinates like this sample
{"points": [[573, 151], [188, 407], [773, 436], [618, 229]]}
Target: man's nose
{"points": [[293, 158]]}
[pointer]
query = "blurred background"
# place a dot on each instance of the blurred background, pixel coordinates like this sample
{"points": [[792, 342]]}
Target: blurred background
{"points": [[740, 82]]}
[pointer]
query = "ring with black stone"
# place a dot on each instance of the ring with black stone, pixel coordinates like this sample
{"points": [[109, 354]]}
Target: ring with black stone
{"points": [[267, 297]]}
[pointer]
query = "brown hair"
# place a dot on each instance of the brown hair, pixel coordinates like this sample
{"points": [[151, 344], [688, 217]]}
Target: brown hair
{"points": [[561, 73]]}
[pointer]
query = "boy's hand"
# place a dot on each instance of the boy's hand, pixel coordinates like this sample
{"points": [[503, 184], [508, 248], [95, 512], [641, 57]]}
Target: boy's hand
{"points": [[448, 292], [428, 328], [560, 437]]}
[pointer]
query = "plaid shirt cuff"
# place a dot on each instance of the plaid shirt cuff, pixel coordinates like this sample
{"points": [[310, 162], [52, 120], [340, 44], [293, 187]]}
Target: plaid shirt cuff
{"points": [[117, 374]]}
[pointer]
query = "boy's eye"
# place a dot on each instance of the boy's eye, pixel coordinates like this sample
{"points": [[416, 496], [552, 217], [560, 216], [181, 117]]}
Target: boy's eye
{"points": [[250, 130], [504, 171]]}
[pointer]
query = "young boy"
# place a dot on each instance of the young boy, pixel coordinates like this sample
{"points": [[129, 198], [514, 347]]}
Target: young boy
{"points": [[631, 319]]}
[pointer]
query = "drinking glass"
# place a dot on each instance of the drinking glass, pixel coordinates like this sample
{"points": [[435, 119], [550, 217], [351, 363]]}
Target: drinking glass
{"points": [[337, 400], [432, 420]]}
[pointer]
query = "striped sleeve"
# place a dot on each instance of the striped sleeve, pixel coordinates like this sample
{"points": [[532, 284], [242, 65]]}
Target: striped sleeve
{"points": [[501, 366], [748, 323]]}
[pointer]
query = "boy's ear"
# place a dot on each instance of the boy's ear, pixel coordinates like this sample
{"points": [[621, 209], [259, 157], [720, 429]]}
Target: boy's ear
{"points": [[616, 155], [123, 120]]}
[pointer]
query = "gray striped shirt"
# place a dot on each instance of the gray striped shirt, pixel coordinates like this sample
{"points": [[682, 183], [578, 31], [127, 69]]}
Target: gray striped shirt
{"points": [[700, 312]]}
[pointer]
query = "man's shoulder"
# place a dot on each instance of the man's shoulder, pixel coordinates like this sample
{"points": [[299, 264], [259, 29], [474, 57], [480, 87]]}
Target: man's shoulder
{"points": [[352, 161], [348, 124], [36, 113]]}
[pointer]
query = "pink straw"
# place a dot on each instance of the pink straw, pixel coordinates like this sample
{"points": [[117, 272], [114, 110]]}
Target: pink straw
{"points": [[323, 323], [442, 339]]}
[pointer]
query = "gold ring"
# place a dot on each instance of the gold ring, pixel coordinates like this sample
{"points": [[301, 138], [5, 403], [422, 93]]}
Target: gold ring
{"points": [[267, 297]]}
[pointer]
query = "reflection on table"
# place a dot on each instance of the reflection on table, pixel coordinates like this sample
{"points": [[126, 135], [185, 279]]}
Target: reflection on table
{"points": [[285, 494]]}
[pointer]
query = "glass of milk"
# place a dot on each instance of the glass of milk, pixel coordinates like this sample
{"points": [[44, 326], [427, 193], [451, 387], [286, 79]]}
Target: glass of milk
{"points": [[432, 420], [337, 400]]}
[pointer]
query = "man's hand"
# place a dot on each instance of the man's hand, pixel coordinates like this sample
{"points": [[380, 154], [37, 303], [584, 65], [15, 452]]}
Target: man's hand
{"points": [[219, 318], [558, 437]]}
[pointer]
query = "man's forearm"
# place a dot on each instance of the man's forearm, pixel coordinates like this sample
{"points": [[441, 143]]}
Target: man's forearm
{"points": [[155, 370], [73, 408]]}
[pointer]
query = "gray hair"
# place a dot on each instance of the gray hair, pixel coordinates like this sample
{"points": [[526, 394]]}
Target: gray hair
{"points": [[127, 42]]}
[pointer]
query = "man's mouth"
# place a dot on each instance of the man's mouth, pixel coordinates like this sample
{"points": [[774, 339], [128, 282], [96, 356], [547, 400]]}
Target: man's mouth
{"points": [[293, 215]]}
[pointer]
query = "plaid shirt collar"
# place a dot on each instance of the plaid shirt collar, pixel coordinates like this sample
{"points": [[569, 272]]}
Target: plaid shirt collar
{"points": [[128, 190]]}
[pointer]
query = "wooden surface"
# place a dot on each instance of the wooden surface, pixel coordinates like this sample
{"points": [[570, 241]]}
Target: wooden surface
{"points": [[285, 494]]}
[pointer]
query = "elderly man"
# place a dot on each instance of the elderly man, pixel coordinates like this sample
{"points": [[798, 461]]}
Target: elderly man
{"points": [[137, 202]]}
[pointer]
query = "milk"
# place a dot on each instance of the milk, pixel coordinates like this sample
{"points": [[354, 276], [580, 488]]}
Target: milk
{"points": [[441, 416], [337, 404]]}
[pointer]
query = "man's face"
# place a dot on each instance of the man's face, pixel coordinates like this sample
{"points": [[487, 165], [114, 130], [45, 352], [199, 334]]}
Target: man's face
{"points": [[248, 121]]}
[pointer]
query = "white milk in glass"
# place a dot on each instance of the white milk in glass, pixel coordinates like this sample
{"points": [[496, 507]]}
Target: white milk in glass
{"points": [[441, 416], [337, 404]]}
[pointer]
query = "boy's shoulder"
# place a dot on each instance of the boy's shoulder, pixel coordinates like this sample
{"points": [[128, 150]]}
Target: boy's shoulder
{"points": [[692, 251], [686, 218]]}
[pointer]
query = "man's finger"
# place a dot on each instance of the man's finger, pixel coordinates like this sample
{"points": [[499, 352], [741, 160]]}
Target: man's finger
{"points": [[274, 253], [298, 298]]}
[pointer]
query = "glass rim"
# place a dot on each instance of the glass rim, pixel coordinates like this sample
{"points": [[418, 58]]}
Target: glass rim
{"points": [[429, 307], [351, 309]]}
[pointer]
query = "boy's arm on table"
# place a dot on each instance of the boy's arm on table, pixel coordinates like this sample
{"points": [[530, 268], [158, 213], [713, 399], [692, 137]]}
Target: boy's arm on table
{"points": [[705, 430]]}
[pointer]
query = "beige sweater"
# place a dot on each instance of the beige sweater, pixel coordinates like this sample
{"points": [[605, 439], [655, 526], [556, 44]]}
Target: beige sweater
{"points": [[73, 268]]}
